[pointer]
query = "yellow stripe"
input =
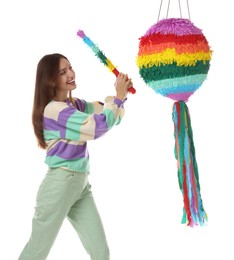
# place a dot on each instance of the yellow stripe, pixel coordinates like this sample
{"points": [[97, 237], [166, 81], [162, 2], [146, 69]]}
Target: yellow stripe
{"points": [[110, 65], [169, 56]]}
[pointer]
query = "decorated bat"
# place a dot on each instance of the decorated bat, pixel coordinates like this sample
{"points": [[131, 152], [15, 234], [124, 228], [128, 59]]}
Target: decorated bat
{"points": [[101, 56]]}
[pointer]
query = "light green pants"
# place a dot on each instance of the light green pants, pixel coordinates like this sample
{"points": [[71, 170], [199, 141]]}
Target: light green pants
{"points": [[63, 194]]}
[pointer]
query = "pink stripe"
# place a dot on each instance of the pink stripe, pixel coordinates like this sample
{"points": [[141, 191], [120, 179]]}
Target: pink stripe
{"points": [[177, 26], [180, 96]]}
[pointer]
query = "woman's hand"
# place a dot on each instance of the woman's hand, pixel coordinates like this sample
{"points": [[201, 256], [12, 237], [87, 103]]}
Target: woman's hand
{"points": [[122, 84]]}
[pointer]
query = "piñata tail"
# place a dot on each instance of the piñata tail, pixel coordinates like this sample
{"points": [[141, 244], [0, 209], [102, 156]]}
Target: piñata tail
{"points": [[193, 211]]}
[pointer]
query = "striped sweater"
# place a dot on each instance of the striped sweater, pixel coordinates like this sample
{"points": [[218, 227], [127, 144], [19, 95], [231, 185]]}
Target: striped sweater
{"points": [[67, 130]]}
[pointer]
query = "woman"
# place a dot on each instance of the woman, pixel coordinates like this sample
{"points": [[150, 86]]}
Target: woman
{"points": [[62, 126]]}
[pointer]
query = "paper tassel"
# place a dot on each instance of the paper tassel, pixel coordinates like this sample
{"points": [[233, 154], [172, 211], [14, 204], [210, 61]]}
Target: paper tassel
{"points": [[193, 211]]}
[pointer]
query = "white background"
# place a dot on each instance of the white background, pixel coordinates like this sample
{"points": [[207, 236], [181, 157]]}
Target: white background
{"points": [[133, 169]]}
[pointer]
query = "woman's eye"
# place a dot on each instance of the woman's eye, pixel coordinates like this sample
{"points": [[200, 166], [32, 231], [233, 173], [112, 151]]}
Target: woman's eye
{"points": [[62, 72]]}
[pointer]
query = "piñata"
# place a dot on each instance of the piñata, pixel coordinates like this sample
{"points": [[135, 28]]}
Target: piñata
{"points": [[174, 59]]}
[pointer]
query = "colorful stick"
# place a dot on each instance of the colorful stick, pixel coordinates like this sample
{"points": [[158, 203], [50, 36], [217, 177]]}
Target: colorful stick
{"points": [[102, 57]]}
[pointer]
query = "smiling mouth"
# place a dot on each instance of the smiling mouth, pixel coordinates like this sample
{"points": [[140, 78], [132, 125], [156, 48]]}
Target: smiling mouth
{"points": [[71, 82]]}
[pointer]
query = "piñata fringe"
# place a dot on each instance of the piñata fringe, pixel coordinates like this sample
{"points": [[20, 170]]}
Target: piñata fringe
{"points": [[193, 211]]}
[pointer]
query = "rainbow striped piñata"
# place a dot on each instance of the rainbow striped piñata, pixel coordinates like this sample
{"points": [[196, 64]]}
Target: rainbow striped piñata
{"points": [[174, 59]]}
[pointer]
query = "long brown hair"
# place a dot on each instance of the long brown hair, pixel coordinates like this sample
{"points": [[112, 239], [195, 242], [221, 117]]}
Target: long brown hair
{"points": [[46, 76]]}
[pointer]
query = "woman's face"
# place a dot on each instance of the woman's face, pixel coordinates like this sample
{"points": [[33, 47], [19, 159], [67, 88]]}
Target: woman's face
{"points": [[66, 77]]}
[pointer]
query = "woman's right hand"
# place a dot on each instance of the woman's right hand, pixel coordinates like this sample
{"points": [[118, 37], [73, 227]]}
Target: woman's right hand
{"points": [[122, 84]]}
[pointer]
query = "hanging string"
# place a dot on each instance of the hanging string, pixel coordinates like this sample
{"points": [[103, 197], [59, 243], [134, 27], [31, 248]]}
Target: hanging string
{"points": [[180, 9], [168, 7], [159, 10], [188, 10]]}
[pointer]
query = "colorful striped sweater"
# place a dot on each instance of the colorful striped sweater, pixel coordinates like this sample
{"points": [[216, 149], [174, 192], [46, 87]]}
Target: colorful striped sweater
{"points": [[67, 130]]}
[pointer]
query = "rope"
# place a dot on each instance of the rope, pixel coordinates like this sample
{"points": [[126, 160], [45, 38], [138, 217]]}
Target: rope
{"points": [[168, 7], [180, 9], [188, 10], [159, 10]]}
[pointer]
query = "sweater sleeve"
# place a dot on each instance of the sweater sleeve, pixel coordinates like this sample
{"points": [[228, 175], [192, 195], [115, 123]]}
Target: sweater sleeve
{"points": [[95, 107], [62, 120]]}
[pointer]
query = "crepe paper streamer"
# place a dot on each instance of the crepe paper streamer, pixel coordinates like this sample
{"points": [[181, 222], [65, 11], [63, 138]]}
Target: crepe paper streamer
{"points": [[174, 60], [193, 212], [101, 56]]}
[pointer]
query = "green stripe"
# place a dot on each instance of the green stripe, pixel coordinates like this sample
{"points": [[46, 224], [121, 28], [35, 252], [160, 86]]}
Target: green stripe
{"points": [[110, 118], [81, 164], [172, 71], [73, 125], [175, 82], [102, 57], [89, 108], [49, 134]]}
